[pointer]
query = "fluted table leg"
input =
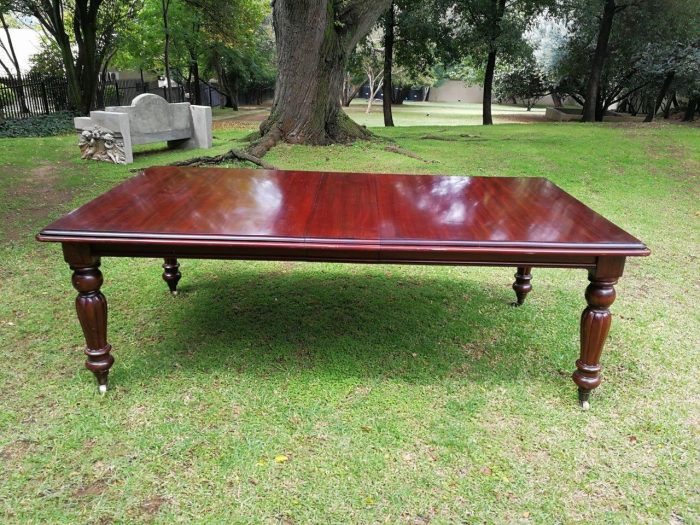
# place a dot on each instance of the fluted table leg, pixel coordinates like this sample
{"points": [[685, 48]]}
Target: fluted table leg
{"points": [[595, 325], [91, 306]]}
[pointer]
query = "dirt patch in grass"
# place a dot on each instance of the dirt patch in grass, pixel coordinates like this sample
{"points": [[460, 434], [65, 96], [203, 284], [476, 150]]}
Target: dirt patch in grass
{"points": [[151, 506], [16, 450], [93, 489], [39, 188]]}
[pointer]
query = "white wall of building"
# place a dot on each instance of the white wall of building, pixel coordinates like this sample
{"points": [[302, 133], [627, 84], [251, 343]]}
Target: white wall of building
{"points": [[26, 42], [458, 91]]}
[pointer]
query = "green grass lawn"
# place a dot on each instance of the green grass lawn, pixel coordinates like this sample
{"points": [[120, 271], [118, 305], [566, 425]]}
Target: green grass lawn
{"points": [[440, 113], [299, 393]]}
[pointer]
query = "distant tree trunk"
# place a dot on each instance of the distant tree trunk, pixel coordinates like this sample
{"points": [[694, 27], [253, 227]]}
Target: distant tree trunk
{"points": [[388, 88], [426, 94], [194, 69], [600, 108], [401, 95], [499, 7], [556, 99], [349, 91], [374, 86], [488, 87], [310, 67], [197, 99], [690, 110], [601, 51], [669, 104], [660, 97], [166, 50], [17, 76]]}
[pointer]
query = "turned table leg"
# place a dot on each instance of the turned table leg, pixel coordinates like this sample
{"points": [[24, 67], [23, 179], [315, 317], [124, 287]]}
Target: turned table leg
{"points": [[595, 324], [522, 284], [171, 273], [91, 306]]}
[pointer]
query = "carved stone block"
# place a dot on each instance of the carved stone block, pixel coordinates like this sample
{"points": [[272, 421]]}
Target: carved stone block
{"points": [[99, 143]]}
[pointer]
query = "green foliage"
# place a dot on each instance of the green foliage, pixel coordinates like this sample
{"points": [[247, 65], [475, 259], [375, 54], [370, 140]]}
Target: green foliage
{"points": [[47, 63], [7, 96], [650, 39], [58, 123], [521, 80], [223, 38]]}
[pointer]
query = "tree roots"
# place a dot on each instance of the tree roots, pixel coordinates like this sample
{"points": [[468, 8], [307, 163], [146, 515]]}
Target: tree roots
{"points": [[231, 155], [408, 153]]}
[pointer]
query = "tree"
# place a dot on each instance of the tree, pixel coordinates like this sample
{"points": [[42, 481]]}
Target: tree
{"points": [[85, 32], [410, 28], [643, 63], [387, 86], [522, 80], [353, 79], [10, 64], [483, 30], [610, 9], [314, 39]]}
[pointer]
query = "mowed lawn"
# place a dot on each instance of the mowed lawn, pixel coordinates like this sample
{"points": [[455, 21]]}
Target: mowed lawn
{"points": [[298, 393]]}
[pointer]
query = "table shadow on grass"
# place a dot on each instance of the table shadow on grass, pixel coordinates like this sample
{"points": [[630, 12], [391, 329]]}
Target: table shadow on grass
{"points": [[418, 330]]}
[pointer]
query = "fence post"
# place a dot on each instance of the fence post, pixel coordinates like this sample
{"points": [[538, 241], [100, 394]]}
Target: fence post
{"points": [[210, 102], [44, 98], [116, 87], [165, 92]]}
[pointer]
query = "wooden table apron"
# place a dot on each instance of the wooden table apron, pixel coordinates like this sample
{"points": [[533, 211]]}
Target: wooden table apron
{"points": [[358, 222]]}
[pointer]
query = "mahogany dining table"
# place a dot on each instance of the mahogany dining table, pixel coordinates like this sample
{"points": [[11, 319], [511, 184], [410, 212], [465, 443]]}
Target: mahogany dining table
{"points": [[179, 213]]}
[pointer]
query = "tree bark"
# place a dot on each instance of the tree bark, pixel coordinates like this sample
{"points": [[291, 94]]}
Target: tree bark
{"points": [[313, 40], [388, 88], [601, 51], [499, 11]]}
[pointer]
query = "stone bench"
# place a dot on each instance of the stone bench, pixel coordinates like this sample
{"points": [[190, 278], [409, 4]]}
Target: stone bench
{"points": [[110, 134]]}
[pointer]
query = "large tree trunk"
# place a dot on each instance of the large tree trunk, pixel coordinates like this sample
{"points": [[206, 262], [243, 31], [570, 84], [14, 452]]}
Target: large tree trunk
{"points": [[388, 88], [601, 51], [313, 40]]}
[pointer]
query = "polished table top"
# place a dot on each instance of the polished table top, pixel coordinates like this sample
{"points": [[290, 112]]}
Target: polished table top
{"points": [[372, 212]]}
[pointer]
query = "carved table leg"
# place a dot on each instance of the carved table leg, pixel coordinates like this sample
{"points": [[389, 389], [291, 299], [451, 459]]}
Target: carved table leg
{"points": [[171, 273], [595, 324], [522, 284], [91, 306]]}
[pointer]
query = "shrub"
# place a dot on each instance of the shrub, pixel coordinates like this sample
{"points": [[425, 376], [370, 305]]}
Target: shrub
{"points": [[38, 125], [7, 96]]}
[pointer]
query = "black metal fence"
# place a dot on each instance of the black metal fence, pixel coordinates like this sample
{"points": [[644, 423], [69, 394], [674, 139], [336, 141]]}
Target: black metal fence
{"points": [[42, 96], [32, 97]]}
